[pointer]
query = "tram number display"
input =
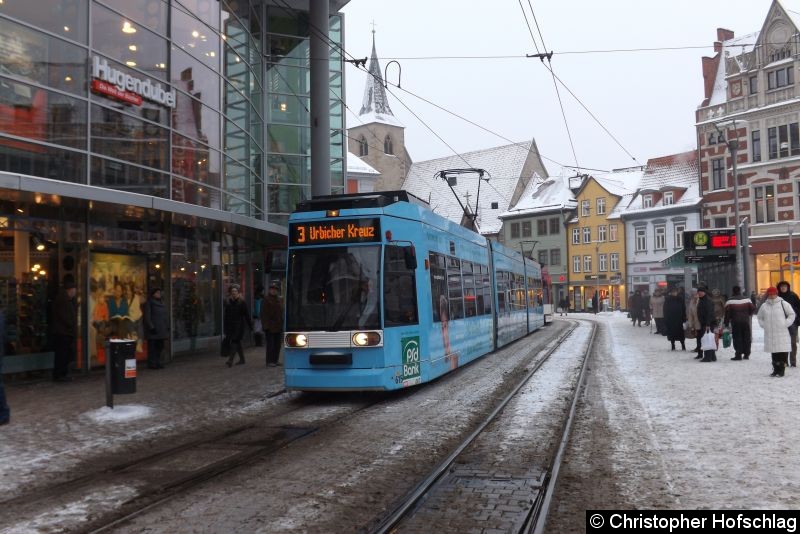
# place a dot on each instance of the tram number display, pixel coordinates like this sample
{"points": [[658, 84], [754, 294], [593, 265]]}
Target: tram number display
{"points": [[338, 231]]}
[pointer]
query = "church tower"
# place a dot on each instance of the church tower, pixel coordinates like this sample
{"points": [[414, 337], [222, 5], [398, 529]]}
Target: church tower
{"points": [[377, 137]]}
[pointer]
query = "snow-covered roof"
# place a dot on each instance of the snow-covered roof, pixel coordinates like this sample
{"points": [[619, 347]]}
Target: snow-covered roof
{"points": [[677, 171], [620, 182], [540, 196], [734, 47], [506, 166], [356, 165]]}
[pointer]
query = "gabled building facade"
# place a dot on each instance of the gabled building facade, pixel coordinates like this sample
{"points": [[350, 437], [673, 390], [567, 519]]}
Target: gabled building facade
{"points": [[596, 240], [666, 204], [536, 226], [751, 98]]}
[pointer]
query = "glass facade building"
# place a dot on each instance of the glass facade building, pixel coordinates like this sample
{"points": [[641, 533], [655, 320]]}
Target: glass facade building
{"points": [[150, 143]]}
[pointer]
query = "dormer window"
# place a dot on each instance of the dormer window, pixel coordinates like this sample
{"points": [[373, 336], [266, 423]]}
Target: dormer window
{"points": [[363, 149], [668, 198], [647, 201]]}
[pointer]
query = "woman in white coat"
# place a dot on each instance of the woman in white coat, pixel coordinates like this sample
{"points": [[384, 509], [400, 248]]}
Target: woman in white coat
{"points": [[776, 316]]}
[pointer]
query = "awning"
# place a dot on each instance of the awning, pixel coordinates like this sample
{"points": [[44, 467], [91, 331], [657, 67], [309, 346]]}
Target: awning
{"points": [[676, 260]]}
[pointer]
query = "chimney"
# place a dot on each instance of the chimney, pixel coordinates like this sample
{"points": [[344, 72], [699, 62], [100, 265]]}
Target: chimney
{"points": [[710, 65], [724, 35]]}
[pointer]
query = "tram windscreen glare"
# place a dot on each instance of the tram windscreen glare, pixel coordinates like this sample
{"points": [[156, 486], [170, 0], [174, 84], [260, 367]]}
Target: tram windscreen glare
{"points": [[334, 289]]}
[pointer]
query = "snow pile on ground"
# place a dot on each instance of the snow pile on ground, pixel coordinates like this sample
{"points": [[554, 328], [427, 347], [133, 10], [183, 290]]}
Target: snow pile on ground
{"points": [[118, 414]]}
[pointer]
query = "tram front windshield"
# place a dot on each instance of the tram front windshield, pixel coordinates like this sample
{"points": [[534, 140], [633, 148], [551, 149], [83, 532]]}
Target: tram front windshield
{"points": [[334, 289]]}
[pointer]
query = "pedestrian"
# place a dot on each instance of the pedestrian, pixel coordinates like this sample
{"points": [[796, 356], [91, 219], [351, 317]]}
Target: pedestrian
{"points": [[674, 315], [776, 316], [156, 324], [719, 305], [5, 411], [596, 302], [564, 305], [657, 310], [707, 320], [235, 316], [645, 313], [65, 329], [785, 292], [692, 323], [739, 312], [272, 323], [753, 298], [258, 328], [635, 307]]}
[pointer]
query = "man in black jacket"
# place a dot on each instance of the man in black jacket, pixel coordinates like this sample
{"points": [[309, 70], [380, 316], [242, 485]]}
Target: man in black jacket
{"points": [[739, 312], [156, 322], [65, 329], [235, 316], [785, 292], [707, 320]]}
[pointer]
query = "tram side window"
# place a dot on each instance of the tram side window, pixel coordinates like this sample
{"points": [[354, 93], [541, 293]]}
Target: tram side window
{"points": [[399, 289], [502, 286], [531, 293], [439, 300], [470, 300], [454, 289], [487, 290]]}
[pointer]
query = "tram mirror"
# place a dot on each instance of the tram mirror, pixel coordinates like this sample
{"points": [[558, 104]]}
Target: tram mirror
{"points": [[410, 258]]}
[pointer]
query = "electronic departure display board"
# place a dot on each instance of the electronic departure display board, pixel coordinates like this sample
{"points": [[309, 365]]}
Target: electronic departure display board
{"points": [[721, 239], [335, 231]]}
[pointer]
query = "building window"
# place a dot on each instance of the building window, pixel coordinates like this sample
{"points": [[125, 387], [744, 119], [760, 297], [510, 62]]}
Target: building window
{"points": [[576, 236], [712, 138], [363, 148], [587, 264], [753, 85], [782, 141], [601, 205], [612, 232], [755, 142], [615, 261], [669, 198], [602, 263], [720, 222], [587, 234], [718, 173], [514, 230], [526, 228], [601, 233], [780, 78], [387, 146], [679, 229], [647, 201], [586, 208], [576, 264], [660, 237], [765, 203], [555, 256], [555, 226], [641, 240], [541, 226], [772, 142], [542, 257]]}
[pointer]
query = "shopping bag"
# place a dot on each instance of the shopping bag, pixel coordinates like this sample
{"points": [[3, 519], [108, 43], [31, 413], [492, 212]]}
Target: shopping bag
{"points": [[708, 341], [726, 338]]}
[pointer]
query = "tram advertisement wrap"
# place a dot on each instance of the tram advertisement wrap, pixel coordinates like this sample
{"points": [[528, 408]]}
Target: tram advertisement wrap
{"points": [[411, 363]]}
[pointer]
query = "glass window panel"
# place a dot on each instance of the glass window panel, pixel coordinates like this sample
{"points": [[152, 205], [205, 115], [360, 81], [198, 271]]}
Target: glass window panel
{"points": [[237, 143], [289, 139], [195, 38], [195, 120], [237, 178], [117, 175], [39, 160], [283, 198], [33, 56], [123, 137], [192, 76], [152, 111], [206, 10], [151, 13], [38, 114], [288, 80], [129, 42], [65, 17], [196, 306], [289, 109], [195, 160], [195, 193], [286, 21], [234, 22]]}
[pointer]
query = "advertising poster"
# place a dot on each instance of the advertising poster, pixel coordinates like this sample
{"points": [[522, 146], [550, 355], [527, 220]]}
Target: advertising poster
{"points": [[117, 291]]}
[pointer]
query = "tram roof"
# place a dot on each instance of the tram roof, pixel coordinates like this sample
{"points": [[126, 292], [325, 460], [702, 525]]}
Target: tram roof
{"points": [[377, 199]]}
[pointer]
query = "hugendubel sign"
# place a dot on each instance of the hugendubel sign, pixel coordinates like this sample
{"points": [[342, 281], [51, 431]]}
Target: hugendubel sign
{"points": [[122, 86]]}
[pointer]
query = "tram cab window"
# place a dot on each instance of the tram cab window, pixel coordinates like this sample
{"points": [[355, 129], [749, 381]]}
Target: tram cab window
{"points": [[399, 288]]}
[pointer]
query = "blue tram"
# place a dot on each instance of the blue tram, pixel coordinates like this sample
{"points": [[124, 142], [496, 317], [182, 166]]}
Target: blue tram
{"points": [[382, 294]]}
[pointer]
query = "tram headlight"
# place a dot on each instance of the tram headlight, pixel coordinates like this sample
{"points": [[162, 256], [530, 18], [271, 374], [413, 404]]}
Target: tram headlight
{"points": [[366, 339], [296, 340]]}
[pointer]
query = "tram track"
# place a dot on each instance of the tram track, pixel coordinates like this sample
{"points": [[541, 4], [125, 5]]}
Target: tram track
{"points": [[535, 516]]}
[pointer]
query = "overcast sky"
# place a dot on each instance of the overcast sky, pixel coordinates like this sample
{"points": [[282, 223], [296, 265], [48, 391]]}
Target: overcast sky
{"points": [[646, 100]]}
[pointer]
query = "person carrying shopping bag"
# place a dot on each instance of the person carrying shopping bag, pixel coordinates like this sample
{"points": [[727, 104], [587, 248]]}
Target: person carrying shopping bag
{"points": [[708, 323]]}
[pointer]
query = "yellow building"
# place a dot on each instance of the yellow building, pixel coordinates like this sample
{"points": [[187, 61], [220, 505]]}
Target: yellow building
{"points": [[596, 240]]}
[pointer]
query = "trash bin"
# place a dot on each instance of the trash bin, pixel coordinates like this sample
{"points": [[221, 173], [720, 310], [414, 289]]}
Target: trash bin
{"points": [[123, 366]]}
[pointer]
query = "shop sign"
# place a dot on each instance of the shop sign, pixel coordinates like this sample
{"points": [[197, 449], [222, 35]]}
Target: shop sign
{"points": [[411, 361], [121, 86]]}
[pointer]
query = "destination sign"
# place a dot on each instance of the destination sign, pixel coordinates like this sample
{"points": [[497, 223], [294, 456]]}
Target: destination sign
{"points": [[335, 231]]}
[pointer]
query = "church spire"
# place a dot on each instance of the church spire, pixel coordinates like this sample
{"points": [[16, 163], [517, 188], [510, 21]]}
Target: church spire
{"points": [[375, 100]]}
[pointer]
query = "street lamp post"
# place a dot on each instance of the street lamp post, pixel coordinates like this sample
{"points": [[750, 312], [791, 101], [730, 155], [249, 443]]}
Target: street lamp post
{"points": [[733, 147]]}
